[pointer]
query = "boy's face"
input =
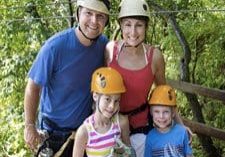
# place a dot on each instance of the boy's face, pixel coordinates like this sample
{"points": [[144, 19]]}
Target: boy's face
{"points": [[162, 117]]}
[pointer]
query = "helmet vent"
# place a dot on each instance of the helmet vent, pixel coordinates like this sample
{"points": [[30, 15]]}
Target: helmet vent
{"points": [[102, 81], [145, 7], [119, 8], [170, 95]]}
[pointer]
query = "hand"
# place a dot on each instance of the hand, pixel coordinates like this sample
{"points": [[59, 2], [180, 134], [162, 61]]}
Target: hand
{"points": [[32, 137], [122, 150], [119, 150]]}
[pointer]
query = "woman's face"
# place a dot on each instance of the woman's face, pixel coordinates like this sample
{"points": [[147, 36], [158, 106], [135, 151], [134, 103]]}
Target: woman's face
{"points": [[133, 30]]}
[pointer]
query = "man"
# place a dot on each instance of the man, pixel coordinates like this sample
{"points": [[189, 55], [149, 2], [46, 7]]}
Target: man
{"points": [[59, 79]]}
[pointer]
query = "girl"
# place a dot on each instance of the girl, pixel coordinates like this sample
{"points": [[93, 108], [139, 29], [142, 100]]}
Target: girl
{"points": [[100, 132]]}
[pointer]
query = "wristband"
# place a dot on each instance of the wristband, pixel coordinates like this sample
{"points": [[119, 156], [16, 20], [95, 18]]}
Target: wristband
{"points": [[29, 125]]}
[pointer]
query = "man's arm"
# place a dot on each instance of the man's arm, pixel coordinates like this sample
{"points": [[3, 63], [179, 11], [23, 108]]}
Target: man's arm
{"points": [[31, 101]]}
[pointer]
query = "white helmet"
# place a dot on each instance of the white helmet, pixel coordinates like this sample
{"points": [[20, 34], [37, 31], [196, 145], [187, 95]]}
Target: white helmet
{"points": [[133, 8], [102, 6]]}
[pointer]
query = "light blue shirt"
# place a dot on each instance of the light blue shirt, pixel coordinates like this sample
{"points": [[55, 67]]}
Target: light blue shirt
{"points": [[173, 143]]}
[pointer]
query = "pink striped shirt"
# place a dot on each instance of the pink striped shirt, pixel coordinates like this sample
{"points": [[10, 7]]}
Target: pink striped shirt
{"points": [[99, 144]]}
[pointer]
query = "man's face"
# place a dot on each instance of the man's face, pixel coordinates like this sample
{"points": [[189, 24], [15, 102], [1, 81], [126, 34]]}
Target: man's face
{"points": [[92, 22]]}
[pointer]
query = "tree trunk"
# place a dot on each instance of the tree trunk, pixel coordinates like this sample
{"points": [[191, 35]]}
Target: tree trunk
{"points": [[71, 14], [205, 141]]}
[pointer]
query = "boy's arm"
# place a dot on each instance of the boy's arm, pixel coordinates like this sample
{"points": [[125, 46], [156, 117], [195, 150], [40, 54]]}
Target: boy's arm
{"points": [[80, 141]]}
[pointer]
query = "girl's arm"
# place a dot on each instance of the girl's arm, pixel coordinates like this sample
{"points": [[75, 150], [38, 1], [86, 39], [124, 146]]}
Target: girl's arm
{"points": [[80, 141]]}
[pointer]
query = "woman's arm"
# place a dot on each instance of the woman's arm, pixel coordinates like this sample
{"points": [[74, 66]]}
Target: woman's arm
{"points": [[125, 131], [125, 136], [158, 67], [109, 52]]}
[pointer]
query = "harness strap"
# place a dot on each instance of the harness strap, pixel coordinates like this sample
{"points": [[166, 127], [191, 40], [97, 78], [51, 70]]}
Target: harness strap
{"points": [[144, 129], [64, 135], [55, 127], [61, 150], [137, 110]]}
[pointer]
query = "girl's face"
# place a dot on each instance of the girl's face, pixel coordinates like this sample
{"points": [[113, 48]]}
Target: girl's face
{"points": [[133, 30], [162, 117], [108, 104]]}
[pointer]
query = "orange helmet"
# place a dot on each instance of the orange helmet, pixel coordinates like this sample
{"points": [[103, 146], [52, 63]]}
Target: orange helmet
{"points": [[107, 80], [163, 95]]}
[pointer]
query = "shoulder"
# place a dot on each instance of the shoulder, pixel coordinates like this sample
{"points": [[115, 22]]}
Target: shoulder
{"points": [[82, 132], [60, 37], [157, 54], [179, 129], [103, 39], [152, 131], [109, 51], [179, 126], [152, 134], [110, 45]]}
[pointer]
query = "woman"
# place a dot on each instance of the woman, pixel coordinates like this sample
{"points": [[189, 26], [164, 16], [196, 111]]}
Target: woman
{"points": [[140, 65]]}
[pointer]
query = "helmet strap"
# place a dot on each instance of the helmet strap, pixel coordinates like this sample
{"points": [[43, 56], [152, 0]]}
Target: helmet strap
{"points": [[91, 39], [82, 32], [97, 103]]}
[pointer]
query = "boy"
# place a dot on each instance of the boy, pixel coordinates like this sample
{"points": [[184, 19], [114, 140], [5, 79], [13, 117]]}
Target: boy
{"points": [[167, 139]]}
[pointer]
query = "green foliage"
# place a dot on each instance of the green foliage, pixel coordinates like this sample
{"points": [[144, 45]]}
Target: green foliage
{"points": [[20, 41], [11, 137], [205, 35]]}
